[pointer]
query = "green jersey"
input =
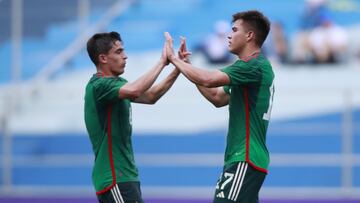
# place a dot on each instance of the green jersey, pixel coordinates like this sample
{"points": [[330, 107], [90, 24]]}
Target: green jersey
{"points": [[251, 93], [108, 122]]}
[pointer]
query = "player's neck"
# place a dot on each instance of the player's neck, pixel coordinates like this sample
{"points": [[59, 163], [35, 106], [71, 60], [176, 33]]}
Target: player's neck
{"points": [[247, 54], [104, 71]]}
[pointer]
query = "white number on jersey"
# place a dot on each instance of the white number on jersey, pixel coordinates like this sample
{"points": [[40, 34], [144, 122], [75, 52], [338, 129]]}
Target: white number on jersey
{"points": [[267, 115]]}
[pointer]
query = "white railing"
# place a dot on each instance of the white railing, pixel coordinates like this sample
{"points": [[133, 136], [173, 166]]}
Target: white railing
{"points": [[79, 43]]}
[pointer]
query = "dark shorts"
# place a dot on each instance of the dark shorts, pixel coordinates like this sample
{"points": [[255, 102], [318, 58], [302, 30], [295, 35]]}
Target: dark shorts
{"points": [[239, 182], [128, 192]]}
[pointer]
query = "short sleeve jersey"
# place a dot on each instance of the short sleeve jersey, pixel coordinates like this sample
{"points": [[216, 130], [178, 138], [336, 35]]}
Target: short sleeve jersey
{"points": [[251, 93], [108, 122]]}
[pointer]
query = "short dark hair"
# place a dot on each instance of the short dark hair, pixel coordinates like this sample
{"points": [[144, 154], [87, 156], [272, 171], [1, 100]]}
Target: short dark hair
{"points": [[255, 21], [101, 43]]}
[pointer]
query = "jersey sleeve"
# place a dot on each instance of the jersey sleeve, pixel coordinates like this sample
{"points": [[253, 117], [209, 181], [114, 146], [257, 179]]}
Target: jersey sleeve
{"points": [[240, 73], [107, 90], [227, 89]]}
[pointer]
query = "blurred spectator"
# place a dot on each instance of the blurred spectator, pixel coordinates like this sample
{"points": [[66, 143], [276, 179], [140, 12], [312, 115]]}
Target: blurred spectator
{"points": [[276, 46], [215, 46], [328, 42], [314, 11]]}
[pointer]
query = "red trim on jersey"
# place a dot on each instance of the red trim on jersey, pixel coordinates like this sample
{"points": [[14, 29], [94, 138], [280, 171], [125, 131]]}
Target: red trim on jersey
{"points": [[100, 74], [252, 56], [110, 154], [105, 189], [247, 123]]}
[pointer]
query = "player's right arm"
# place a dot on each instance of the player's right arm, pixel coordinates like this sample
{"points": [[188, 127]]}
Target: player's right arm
{"points": [[216, 95], [196, 75]]}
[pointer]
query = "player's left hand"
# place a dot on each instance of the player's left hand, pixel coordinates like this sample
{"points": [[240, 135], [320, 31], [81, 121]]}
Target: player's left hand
{"points": [[183, 52]]}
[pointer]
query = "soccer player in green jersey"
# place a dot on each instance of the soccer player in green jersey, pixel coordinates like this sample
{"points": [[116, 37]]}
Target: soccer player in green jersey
{"points": [[108, 116], [247, 86]]}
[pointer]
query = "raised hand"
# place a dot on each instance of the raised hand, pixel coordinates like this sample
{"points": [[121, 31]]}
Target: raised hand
{"points": [[183, 53], [169, 46]]}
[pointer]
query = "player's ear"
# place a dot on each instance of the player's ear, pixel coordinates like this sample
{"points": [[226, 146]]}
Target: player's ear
{"points": [[250, 35], [102, 58]]}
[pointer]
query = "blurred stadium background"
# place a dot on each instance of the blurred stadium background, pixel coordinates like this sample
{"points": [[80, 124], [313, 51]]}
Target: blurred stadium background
{"points": [[313, 137]]}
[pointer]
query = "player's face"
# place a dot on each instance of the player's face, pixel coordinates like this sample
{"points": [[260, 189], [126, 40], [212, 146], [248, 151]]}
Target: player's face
{"points": [[116, 59], [237, 37]]}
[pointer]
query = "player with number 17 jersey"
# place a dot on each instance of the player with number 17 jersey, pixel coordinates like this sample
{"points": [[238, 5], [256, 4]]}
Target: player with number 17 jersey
{"points": [[251, 93]]}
